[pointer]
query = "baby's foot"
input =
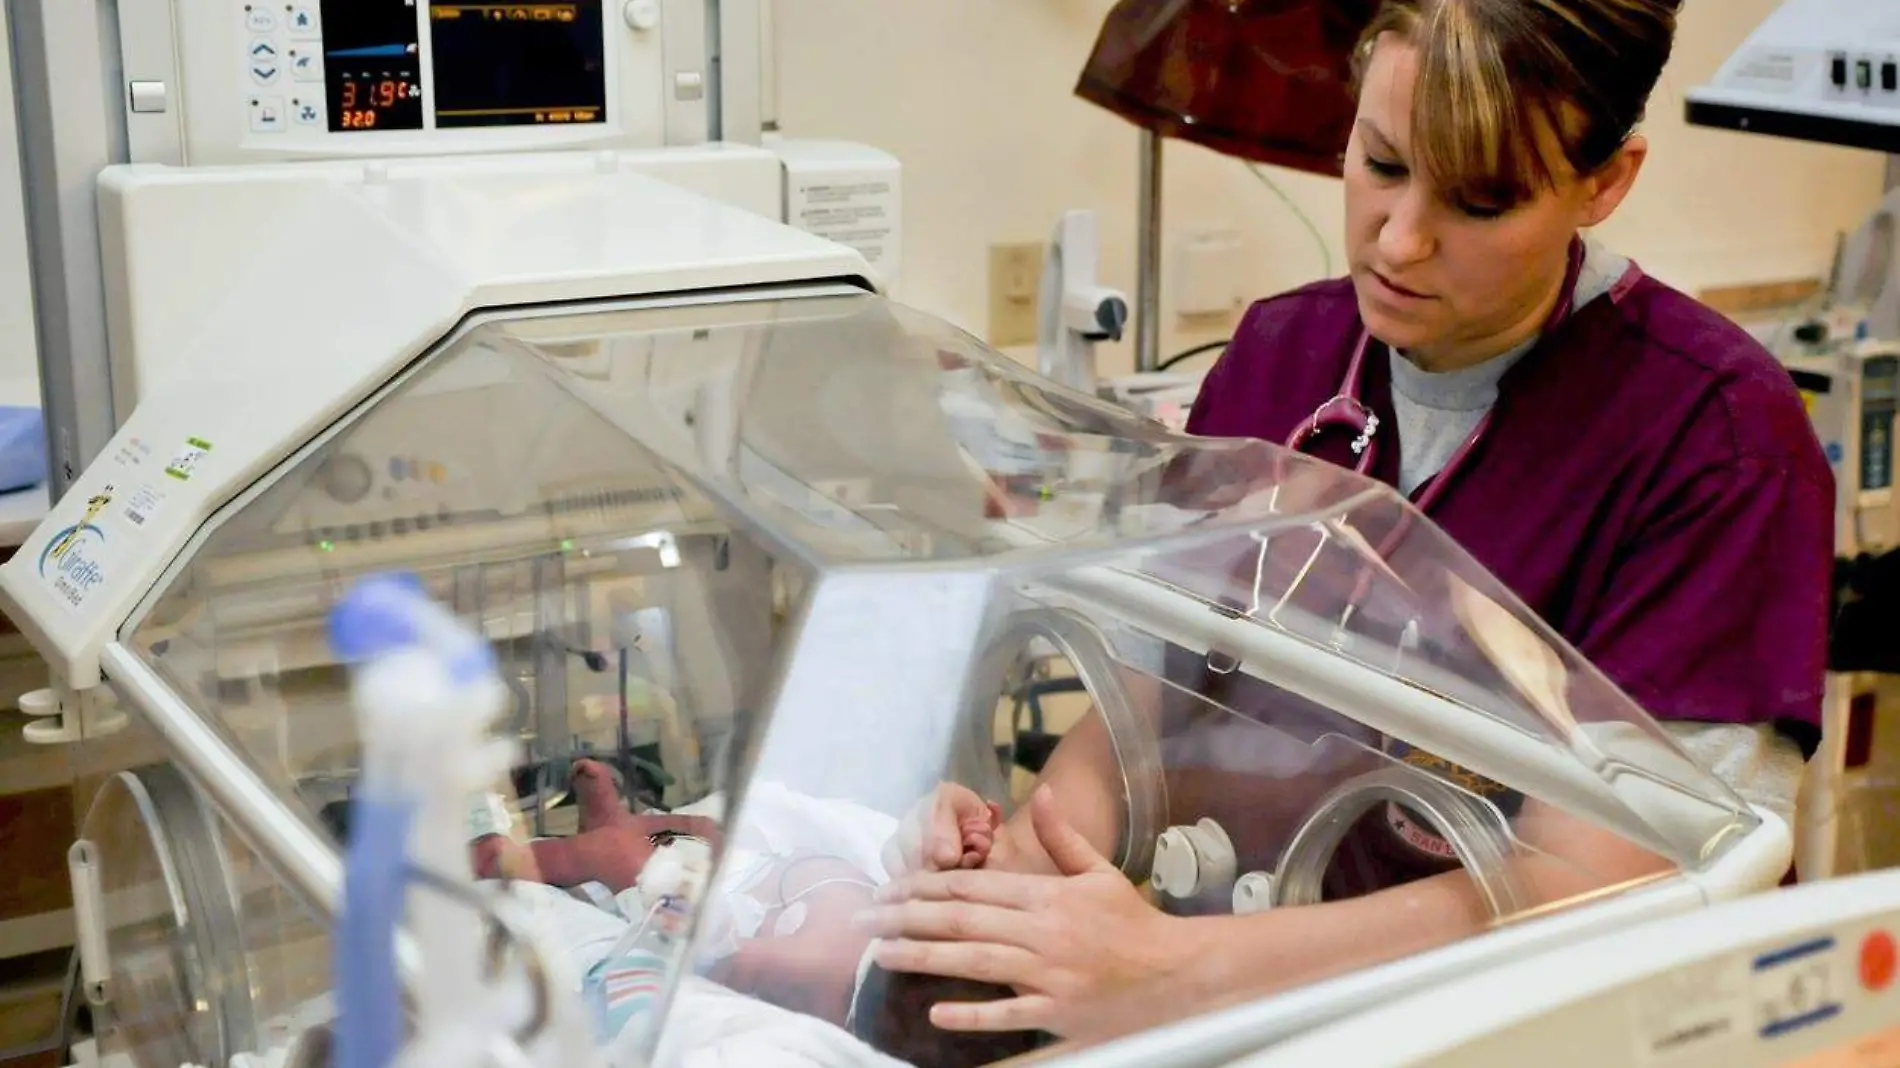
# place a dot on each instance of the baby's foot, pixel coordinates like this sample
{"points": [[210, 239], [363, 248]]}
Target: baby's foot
{"points": [[599, 797]]}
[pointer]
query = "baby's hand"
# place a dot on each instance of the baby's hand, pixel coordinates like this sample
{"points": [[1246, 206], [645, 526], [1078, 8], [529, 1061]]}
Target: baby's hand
{"points": [[936, 834], [979, 834]]}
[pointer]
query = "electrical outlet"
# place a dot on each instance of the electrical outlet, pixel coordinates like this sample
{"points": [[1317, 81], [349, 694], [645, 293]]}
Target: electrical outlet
{"points": [[1015, 277]]}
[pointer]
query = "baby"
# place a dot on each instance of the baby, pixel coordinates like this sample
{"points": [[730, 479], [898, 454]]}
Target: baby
{"points": [[614, 845], [781, 919]]}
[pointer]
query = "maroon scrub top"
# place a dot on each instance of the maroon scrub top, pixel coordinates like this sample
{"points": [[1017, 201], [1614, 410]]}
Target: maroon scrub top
{"points": [[1649, 483]]}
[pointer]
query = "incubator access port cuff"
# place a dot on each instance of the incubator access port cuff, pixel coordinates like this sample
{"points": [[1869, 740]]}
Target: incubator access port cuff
{"points": [[761, 575]]}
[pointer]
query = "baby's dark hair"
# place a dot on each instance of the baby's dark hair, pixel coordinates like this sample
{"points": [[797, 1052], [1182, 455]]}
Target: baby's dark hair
{"points": [[893, 1017], [1499, 81]]}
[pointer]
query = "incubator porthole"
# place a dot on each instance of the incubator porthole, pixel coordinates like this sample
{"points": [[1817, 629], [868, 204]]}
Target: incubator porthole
{"points": [[1054, 671], [169, 926]]}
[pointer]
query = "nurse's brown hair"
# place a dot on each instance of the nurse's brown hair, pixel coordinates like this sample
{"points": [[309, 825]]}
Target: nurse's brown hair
{"points": [[1509, 89]]}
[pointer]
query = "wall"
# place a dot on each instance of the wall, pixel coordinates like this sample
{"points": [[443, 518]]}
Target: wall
{"points": [[19, 362], [976, 98]]}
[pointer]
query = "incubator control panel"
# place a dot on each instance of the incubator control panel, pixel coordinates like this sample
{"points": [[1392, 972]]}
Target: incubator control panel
{"points": [[383, 78], [363, 66], [1868, 77], [1861, 72]]}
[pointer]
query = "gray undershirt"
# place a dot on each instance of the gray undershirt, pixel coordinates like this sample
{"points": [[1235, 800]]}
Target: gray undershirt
{"points": [[1437, 411]]}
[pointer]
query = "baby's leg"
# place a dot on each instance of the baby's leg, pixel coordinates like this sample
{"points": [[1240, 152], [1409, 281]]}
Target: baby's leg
{"points": [[602, 806], [612, 847]]}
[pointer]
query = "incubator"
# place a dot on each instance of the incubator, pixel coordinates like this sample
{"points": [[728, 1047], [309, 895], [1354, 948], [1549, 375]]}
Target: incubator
{"points": [[784, 559], [762, 560]]}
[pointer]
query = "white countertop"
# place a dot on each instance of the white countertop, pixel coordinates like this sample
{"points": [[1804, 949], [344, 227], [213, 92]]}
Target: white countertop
{"points": [[21, 511]]}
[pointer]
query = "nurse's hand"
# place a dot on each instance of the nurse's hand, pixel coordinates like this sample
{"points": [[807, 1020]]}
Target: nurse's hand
{"points": [[1081, 948], [952, 828]]}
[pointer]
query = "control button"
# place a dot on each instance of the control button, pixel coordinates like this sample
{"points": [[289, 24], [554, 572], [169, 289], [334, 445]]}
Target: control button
{"points": [[642, 15], [304, 24], [1877, 961], [149, 98], [1890, 76], [689, 85], [259, 19], [346, 478], [306, 112], [267, 114], [306, 66], [1838, 73], [1863, 75], [264, 74], [263, 50]]}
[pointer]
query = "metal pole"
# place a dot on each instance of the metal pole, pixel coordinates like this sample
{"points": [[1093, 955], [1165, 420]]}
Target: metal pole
{"points": [[1148, 257], [66, 78]]}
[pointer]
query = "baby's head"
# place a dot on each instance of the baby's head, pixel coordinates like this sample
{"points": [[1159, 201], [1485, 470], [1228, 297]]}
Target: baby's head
{"points": [[892, 1015]]}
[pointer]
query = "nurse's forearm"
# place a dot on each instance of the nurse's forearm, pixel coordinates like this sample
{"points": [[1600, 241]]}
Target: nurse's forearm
{"points": [[1243, 957], [1239, 958], [1086, 779]]}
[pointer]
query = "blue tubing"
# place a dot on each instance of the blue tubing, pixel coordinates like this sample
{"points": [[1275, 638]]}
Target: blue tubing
{"points": [[369, 1029]]}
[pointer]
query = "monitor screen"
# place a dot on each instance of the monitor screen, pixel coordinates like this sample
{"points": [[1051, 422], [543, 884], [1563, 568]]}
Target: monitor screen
{"points": [[370, 65], [517, 64]]}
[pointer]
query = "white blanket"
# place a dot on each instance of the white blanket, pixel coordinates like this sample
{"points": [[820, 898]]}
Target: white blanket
{"points": [[711, 1026]]}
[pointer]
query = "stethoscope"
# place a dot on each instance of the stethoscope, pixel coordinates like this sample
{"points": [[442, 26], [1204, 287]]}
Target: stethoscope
{"points": [[1345, 411]]}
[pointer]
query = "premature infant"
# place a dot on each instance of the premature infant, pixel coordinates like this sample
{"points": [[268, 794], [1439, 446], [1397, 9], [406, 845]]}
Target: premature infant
{"points": [[782, 910]]}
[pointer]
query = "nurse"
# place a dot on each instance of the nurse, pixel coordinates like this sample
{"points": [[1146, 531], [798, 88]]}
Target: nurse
{"points": [[1637, 469]]}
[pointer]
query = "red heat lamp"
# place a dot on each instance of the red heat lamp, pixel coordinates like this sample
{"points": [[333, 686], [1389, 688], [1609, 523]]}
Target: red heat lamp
{"points": [[1268, 81]]}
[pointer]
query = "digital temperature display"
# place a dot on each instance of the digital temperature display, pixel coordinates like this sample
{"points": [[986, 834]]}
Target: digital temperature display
{"points": [[371, 64], [375, 102]]}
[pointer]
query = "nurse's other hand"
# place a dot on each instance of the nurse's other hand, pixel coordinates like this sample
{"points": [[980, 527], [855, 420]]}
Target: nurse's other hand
{"points": [[942, 832], [1082, 949]]}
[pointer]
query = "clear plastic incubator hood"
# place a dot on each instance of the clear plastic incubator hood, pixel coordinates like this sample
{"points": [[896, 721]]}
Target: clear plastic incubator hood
{"points": [[761, 570]]}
